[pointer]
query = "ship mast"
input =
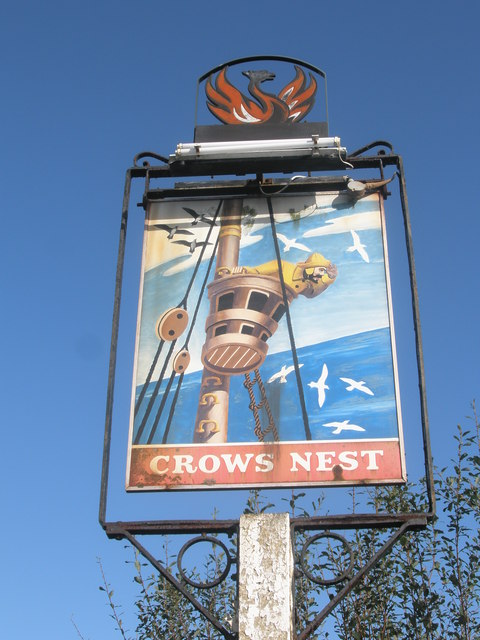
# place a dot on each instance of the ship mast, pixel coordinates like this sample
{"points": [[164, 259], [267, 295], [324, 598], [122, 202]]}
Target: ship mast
{"points": [[211, 424]]}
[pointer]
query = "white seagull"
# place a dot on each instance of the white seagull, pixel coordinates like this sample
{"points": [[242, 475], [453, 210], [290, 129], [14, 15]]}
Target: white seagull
{"points": [[359, 385], [289, 243], [358, 246], [321, 386], [283, 373], [344, 425]]}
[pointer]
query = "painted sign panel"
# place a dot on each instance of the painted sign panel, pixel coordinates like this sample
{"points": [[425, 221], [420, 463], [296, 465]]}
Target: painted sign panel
{"points": [[265, 350]]}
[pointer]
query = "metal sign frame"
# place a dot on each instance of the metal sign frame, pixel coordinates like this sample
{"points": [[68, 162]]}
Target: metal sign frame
{"points": [[150, 165], [399, 522]]}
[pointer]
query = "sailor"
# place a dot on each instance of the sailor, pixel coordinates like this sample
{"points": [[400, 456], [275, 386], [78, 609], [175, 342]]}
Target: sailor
{"points": [[308, 278]]}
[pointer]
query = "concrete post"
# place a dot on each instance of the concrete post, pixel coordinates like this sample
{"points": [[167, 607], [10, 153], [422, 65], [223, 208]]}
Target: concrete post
{"points": [[265, 577]]}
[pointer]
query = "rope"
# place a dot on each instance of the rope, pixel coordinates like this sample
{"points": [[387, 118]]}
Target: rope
{"points": [[308, 433], [149, 377], [154, 394], [202, 290], [185, 346], [172, 409], [183, 303], [161, 407], [254, 407]]}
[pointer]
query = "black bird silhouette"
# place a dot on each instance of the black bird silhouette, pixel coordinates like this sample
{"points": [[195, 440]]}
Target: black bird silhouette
{"points": [[197, 217], [191, 245], [173, 230]]}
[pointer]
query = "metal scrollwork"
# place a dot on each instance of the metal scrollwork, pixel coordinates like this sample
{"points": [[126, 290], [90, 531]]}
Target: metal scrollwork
{"points": [[209, 584], [324, 581]]}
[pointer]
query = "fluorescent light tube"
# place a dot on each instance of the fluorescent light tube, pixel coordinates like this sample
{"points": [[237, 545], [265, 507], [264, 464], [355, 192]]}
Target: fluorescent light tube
{"points": [[257, 148]]}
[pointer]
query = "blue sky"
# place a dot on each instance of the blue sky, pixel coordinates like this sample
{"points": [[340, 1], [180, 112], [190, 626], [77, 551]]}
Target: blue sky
{"points": [[85, 86]]}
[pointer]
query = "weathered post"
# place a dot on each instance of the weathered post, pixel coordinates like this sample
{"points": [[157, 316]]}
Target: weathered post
{"points": [[265, 577]]}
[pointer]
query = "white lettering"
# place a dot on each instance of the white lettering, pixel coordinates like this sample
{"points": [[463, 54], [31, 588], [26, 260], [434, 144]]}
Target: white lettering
{"points": [[297, 459], [202, 464], [372, 460], [348, 460], [324, 458], [265, 460], [184, 461], [154, 465], [237, 461]]}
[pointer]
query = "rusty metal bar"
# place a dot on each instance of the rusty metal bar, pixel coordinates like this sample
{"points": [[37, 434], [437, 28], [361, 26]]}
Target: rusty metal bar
{"points": [[360, 521], [418, 343], [154, 527], [113, 351]]}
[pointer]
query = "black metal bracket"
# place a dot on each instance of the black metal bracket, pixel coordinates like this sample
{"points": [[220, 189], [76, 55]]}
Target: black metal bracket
{"points": [[128, 532], [402, 522]]}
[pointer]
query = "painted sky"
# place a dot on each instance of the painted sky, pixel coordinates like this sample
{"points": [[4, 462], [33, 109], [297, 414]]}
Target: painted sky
{"points": [[355, 302], [86, 86]]}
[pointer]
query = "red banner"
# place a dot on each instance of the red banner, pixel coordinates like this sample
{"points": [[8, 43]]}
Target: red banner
{"points": [[249, 465]]}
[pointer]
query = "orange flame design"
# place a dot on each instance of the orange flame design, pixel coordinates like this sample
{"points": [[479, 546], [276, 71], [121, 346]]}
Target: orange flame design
{"points": [[231, 106]]}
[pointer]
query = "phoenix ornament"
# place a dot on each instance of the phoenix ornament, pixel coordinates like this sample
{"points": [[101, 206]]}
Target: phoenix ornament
{"points": [[231, 106]]}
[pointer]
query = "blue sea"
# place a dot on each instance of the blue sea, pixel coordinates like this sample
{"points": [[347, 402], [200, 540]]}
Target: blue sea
{"points": [[365, 356]]}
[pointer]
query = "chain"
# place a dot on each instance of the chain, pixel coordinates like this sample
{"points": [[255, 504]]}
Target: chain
{"points": [[254, 407]]}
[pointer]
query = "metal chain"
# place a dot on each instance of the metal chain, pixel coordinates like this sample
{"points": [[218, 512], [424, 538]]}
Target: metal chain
{"points": [[254, 407]]}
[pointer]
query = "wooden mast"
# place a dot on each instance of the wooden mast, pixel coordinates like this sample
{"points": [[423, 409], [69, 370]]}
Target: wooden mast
{"points": [[211, 424]]}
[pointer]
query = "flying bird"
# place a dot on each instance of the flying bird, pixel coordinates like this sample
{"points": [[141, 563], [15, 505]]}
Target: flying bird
{"points": [[289, 243], [198, 217], [358, 246], [359, 385], [191, 245], [343, 426], [248, 219], [283, 373], [321, 386], [173, 230]]}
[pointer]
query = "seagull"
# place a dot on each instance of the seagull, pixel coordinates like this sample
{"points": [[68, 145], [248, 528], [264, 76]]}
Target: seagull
{"points": [[289, 243], [344, 425], [173, 230], [197, 217], [191, 245], [358, 246], [358, 385], [248, 219], [283, 373], [321, 386]]}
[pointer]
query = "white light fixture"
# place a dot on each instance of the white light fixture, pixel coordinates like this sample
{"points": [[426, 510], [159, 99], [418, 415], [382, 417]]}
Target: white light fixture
{"points": [[245, 149]]}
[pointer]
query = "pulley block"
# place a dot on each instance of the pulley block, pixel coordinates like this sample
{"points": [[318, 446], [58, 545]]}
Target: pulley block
{"points": [[181, 361], [172, 324]]}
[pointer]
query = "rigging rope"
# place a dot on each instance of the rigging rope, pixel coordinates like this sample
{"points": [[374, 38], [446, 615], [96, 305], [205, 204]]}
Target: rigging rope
{"points": [[189, 334], [185, 346], [153, 397], [149, 377], [308, 433], [172, 409], [182, 303]]}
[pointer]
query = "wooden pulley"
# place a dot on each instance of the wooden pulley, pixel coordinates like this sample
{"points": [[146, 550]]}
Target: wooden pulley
{"points": [[181, 361], [172, 324]]}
